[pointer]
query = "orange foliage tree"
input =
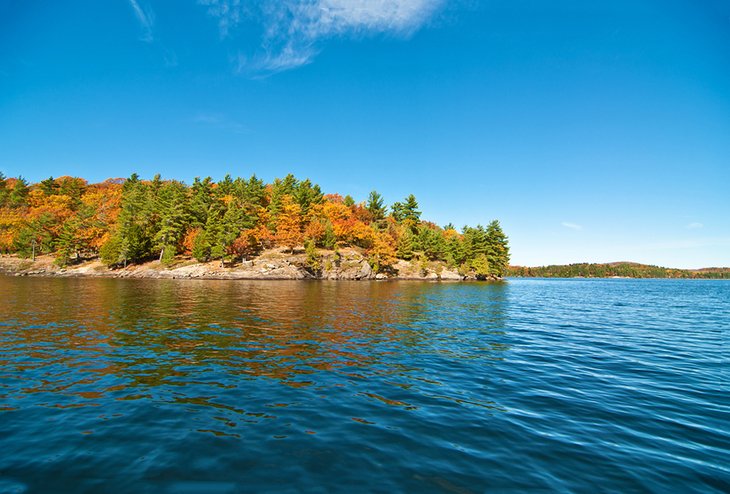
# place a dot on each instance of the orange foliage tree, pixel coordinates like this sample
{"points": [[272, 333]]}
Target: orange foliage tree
{"points": [[289, 224]]}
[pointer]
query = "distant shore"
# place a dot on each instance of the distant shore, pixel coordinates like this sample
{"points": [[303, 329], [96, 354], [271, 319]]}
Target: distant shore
{"points": [[274, 264], [615, 270]]}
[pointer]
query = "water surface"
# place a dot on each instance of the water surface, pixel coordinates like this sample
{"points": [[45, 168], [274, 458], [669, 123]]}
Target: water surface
{"points": [[187, 386]]}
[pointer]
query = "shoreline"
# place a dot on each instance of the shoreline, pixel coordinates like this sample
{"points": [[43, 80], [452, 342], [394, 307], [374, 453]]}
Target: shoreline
{"points": [[345, 265]]}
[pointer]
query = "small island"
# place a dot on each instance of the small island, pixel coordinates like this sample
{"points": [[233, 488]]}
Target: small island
{"points": [[232, 229]]}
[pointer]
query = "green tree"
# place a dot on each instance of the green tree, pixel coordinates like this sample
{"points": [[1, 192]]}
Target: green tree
{"points": [[407, 212], [201, 200], [306, 194], [498, 249], [481, 267], [171, 204], [48, 186], [19, 195], [431, 242], [131, 239], [376, 206], [201, 247], [406, 245]]}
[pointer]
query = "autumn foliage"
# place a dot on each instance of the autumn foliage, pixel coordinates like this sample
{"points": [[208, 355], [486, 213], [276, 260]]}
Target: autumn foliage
{"points": [[132, 220]]}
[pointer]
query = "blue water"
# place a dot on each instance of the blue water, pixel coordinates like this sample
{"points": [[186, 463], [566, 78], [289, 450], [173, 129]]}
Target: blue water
{"points": [[232, 386]]}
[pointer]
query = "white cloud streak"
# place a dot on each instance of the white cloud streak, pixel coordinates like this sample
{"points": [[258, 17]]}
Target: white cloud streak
{"points": [[572, 226], [293, 28], [146, 20], [695, 226]]}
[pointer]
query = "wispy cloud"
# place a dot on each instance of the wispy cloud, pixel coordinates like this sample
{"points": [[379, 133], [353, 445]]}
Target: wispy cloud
{"points": [[146, 20], [292, 29], [572, 226], [695, 225], [221, 122]]}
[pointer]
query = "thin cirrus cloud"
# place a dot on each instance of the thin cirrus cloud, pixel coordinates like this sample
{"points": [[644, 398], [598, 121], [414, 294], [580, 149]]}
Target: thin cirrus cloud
{"points": [[292, 29], [572, 226], [146, 19], [695, 225]]}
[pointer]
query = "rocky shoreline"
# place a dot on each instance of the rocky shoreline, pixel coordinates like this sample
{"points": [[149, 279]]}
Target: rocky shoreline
{"points": [[274, 264]]}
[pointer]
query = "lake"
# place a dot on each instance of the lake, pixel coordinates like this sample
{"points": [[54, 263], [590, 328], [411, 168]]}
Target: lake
{"points": [[186, 386]]}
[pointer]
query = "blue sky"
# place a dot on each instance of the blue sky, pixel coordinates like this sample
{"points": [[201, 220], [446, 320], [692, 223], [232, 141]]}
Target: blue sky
{"points": [[594, 131]]}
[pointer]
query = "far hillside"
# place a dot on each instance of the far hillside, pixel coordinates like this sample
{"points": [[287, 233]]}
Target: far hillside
{"points": [[614, 269]]}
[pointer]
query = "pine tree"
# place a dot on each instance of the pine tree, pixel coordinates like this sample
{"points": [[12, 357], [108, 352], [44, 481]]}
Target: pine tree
{"points": [[329, 239], [201, 200], [306, 194], [129, 239], [68, 242], [498, 249], [407, 212], [480, 265], [201, 247], [18, 197], [48, 186], [406, 244], [376, 206], [171, 206], [214, 235], [431, 242]]}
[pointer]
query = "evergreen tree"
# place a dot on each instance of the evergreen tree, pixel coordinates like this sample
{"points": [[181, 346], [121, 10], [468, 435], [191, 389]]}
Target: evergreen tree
{"points": [[201, 200], [406, 243], [171, 206], [19, 195], [329, 240], [130, 240], [307, 194], [225, 186], [279, 189], [431, 242], [36, 236], [214, 235], [73, 188], [48, 186], [376, 206], [454, 251], [481, 267], [201, 247], [498, 249], [68, 242], [407, 212]]}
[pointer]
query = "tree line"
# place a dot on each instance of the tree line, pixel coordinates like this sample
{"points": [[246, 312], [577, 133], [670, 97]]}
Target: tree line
{"points": [[133, 220], [619, 269]]}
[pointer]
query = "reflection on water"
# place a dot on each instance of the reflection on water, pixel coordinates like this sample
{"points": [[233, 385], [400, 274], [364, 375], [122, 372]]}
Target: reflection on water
{"points": [[157, 339], [228, 386]]}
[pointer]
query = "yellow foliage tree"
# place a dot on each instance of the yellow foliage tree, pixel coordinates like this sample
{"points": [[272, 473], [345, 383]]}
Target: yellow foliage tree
{"points": [[289, 224]]}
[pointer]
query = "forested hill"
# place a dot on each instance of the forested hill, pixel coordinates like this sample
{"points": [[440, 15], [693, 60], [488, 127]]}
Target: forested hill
{"points": [[133, 220], [619, 269]]}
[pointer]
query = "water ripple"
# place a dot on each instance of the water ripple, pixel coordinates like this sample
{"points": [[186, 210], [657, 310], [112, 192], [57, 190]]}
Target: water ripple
{"points": [[217, 386]]}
